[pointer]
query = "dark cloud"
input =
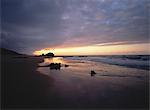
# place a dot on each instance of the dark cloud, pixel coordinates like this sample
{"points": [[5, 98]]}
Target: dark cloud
{"points": [[28, 25]]}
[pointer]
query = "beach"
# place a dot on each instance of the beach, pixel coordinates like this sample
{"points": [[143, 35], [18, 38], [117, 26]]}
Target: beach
{"points": [[75, 54], [25, 84], [22, 86]]}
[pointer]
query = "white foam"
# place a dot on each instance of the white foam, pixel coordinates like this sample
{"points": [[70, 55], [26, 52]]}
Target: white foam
{"points": [[135, 63]]}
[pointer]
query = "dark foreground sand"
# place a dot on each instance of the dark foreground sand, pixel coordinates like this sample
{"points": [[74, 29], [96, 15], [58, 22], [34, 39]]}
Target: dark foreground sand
{"points": [[24, 87]]}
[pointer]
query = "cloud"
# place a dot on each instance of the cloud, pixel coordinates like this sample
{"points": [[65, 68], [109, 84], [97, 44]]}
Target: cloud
{"points": [[28, 25], [120, 43]]}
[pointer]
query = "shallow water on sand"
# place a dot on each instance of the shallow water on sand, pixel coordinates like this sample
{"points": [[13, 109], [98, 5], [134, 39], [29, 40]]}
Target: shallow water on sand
{"points": [[111, 86]]}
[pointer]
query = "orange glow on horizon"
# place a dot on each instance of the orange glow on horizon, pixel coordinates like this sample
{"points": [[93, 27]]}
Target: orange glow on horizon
{"points": [[42, 51], [99, 50]]}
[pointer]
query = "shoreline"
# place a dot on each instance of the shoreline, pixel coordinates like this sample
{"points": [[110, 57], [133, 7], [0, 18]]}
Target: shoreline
{"points": [[24, 87]]}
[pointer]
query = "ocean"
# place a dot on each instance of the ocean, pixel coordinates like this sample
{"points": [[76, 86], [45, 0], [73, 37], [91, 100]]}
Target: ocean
{"points": [[131, 61]]}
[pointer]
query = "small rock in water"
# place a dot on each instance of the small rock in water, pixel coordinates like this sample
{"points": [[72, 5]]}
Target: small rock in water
{"points": [[55, 66], [92, 73], [66, 65]]}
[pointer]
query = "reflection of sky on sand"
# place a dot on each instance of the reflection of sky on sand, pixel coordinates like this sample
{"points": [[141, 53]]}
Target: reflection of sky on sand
{"points": [[75, 82], [52, 60], [82, 67]]}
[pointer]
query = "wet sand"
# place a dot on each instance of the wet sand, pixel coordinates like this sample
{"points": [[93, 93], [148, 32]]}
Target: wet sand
{"points": [[25, 85]]}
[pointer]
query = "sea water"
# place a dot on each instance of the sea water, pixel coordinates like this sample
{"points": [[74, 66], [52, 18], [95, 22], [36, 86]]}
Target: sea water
{"points": [[132, 61], [119, 82]]}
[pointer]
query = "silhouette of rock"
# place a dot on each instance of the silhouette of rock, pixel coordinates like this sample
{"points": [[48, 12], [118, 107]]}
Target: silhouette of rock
{"points": [[66, 65], [49, 54], [92, 73], [55, 66]]}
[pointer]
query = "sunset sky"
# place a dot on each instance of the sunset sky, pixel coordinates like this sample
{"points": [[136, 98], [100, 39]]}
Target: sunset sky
{"points": [[75, 27]]}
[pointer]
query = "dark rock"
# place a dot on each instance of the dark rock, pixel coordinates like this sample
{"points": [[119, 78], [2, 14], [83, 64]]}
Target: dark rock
{"points": [[66, 65], [48, 55], [55, 66], [92, 73]]}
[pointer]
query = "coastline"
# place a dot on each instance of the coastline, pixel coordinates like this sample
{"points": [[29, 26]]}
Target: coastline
{"points": [[24, 87]]}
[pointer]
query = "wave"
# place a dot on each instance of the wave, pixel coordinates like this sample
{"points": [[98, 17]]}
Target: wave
{"points": [[132, 61]]}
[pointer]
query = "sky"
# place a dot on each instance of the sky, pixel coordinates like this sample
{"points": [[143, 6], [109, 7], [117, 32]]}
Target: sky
{"points": [[72, 27]]}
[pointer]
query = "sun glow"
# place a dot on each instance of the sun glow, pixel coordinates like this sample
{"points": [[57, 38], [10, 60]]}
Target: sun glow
{"points": [[99, 50]]}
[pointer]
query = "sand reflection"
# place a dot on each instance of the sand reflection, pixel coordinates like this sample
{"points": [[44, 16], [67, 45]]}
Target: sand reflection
{"points": [[82, 68], [75, 83], [47, 61]]}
